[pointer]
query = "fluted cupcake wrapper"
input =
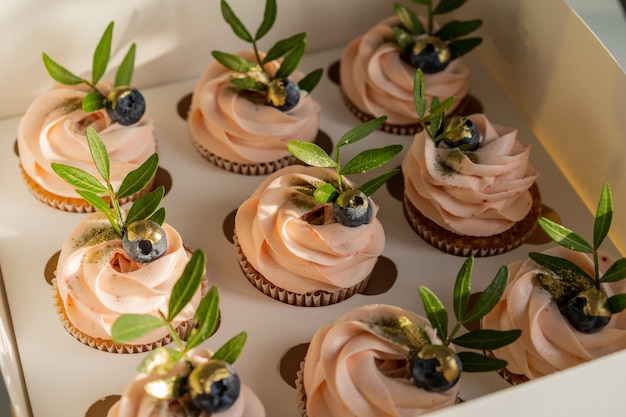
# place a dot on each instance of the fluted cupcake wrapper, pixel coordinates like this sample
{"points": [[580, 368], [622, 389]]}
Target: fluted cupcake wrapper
{"points": [[310, 299]]}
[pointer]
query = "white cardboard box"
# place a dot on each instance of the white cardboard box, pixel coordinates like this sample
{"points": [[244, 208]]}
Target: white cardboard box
{"points": [[527, 74]]}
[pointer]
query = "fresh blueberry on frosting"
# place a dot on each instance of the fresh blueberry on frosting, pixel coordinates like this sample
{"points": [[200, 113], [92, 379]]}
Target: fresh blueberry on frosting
{"points": [[435, 368], [588, 311], [213, 386], [144, 240], [430, 54], [351, 207], [125, 105], [462, 133]]}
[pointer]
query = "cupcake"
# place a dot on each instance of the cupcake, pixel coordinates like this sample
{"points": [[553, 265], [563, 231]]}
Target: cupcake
{"points": [[377, 68], [116, 262], [469, 186], [53, 128], [186, 380], [567, 299], [247, 106], [381, 360], [307, 236]]}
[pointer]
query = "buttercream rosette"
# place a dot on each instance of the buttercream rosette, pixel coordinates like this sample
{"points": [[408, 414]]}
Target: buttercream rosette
{"points": [[548, 342], [53, 130], [239, 133], [96, 282], [350, 369], [135, 402], [290, 247], [477, 203], [376, 81]]}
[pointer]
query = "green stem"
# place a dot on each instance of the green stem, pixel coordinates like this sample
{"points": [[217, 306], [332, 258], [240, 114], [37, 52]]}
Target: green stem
{"points": [[596, 268], [338, 170], [175, 338], [453, 333], [258, 58], [117, 209]]}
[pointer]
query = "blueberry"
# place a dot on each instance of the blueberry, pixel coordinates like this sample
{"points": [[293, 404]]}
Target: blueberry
{"points": [[467, 137], [125, 105], [588, 311], [429, 53], [283, 94], [435, 368], [352, 208], [213, 386], [144, 241]]}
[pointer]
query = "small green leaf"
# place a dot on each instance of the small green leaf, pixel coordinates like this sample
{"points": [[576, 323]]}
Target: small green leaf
{"points": [[234, 22], [616, 272], [187, 284], [403, 38], [291, 61], [124, 73], [207, 316], [409, 19], [78, 178], [269, 17], [248, 83], [604, 215], [233, 62], [310, 81], [92, 101], [475, 362], [144, 206], [566, 270], [160, 361], [460, 47], [564, 236], [446, 6], [129, 327], [102, 54], [437, 108], [484, 339], [158, 216], [325, 193], [139, 178], [419, 93], [101, 204], [489, 297], [59, 73], [98, 153], [462, 288], [361, 131], [283, 46], [435, 311], [617, 303], [310, 154], [456, 29], [374, 184], [370, 159], [231, 350]]}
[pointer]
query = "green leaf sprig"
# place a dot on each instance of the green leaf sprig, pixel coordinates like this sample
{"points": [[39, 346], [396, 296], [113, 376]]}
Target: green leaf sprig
{"points": [[95, 100], [254, 76], [161, 361], [91, 188], [433, 123], [411, 27], [366, 161], [565, 277], [482, 339]]}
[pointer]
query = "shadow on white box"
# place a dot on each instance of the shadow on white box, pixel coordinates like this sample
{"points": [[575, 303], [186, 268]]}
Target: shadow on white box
{"points": [[531, 48]]}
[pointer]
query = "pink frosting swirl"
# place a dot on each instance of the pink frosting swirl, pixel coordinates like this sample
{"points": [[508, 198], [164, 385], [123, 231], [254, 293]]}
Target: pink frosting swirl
{"points": [[377, 81], [480, 193], [549, 343], [136, 403], [238, 129], [295, 255], [53, 130], [97, 282], [352, 370]]}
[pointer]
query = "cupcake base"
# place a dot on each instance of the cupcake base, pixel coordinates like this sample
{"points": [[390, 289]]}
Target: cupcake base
{"points": [[261, 168], [507, 375], [478, 246], [310, 299], [70, 204]]}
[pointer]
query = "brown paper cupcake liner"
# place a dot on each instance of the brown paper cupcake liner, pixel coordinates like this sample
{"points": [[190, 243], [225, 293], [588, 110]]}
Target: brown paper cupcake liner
{"points": [[507, 375], [310, 299], [478, 246], [74, 205], [262, 168], [183, 330]]}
